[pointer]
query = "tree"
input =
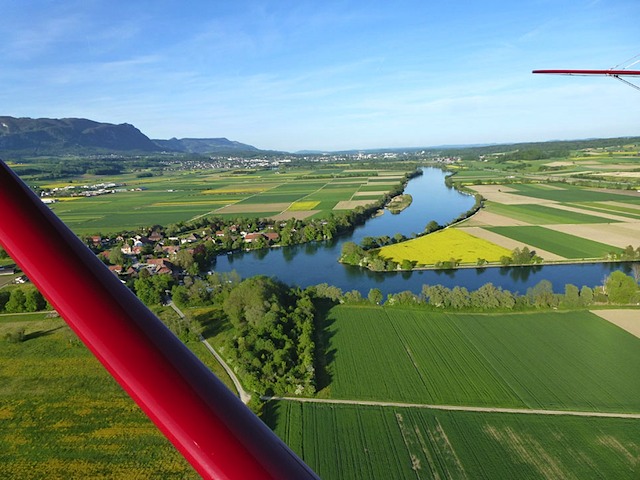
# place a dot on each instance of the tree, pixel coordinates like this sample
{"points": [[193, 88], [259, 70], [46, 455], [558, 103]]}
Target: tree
{"points": [[368, 243], [541, 295], [34, 301], [116, 257], [620, 288], [486, 297], [4, 298], [407, 264], [146, 291], [184, 259], [375, 296], [354, 296], [586, 295], [571, 295], [459, 298], [432, 226], [324, 290], [351, 254], [3, 254], [16, 303], [436, 295]]}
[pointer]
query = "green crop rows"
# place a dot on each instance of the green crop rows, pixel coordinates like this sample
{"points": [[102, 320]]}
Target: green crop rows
{"points": [[563, 244], [555, 360], [178, 197], [567, 193], [367, 442], [543, 215]]}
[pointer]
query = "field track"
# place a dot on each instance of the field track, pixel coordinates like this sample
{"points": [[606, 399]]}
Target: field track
{"points": [[526, 411]]}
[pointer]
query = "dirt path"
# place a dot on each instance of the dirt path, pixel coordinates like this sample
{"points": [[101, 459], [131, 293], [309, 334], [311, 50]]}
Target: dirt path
{"points": [[242, 393], [526, 411]]}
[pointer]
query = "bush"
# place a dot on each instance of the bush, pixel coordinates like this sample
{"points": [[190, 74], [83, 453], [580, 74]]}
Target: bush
{"points": [[16, 336]]}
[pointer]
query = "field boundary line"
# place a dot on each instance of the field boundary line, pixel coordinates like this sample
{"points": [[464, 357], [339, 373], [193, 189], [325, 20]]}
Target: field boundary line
{"points": [[459, 408]]}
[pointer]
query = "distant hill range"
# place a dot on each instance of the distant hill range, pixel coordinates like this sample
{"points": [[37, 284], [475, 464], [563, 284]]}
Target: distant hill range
{"points": [[205, 145], [49, 136]]}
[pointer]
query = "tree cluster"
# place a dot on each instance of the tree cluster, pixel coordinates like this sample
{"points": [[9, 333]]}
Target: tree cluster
{"points": [[21, 299], [618, 289], [522, 256], [272, 345]]}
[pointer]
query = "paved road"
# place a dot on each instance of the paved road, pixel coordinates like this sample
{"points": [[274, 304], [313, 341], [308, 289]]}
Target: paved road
{"points": [[526, 411], [242, 393]]}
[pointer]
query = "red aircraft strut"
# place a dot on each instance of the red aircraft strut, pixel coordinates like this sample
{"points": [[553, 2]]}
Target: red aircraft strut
{"points": [[211, 427], [614, 72]]}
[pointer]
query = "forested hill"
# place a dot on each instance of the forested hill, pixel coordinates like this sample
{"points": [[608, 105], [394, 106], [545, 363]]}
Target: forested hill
{"points": [[51, 136], [205, 145], [48, 136]]}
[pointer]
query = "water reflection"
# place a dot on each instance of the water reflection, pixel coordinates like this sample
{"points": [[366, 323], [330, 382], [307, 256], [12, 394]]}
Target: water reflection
{"points": [[315, 263]]}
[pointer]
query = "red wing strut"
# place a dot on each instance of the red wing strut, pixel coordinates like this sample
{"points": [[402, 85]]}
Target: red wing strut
{"points": [[214, 431], [616, 73]]}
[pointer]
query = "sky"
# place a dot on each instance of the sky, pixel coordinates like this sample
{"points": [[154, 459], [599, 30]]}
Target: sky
{"points": [[325, 75]]}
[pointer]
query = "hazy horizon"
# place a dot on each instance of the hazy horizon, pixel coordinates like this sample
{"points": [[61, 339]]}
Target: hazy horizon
{"points": [[294, 76]]}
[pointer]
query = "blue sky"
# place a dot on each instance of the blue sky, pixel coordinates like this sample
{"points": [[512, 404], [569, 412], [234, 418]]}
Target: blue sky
{"points": [[292, 75]]}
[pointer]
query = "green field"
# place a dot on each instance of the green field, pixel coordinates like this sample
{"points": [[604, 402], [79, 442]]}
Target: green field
{"points": [[631, 211], [367, 442], [543, 215], [63, 416], [551, 360], [181, 196], [564, 193], [563, 244]]}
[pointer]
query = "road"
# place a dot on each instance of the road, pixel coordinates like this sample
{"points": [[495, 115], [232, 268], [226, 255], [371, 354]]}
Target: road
{"points": [[242, 393], [526, 411]]}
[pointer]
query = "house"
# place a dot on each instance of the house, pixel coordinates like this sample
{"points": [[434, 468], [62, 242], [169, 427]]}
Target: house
{"points": [[272, 237], [117, 269], [190, 238], [156, 236], [161, 266], [170, 249], [252, 237]]}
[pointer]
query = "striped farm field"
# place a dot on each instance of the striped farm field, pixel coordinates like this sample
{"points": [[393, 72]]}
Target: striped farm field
{"points": [[442, 246], [565, 193], [563, 244], [542, 214], [182, 196], [550, 360], [303, 206], [371, 442]]}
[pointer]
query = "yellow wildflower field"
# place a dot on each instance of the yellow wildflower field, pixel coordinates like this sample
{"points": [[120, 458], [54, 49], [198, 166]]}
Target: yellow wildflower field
{"points": [[303, 206], [444, 245]]}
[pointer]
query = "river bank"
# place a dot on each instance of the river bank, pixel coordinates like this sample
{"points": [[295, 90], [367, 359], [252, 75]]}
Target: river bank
{"points": [[315, 263]]}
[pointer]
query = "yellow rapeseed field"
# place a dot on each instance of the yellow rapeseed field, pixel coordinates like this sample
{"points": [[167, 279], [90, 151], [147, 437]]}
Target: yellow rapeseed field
{"points": [[303, 206], [443, 246]]}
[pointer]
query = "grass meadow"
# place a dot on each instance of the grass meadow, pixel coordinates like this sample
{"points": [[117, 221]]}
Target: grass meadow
{"points": [[370, 442], [552, 360], [63, 416]]}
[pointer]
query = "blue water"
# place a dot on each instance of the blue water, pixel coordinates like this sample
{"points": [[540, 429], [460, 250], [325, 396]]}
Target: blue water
{"points": [[311, 264]]}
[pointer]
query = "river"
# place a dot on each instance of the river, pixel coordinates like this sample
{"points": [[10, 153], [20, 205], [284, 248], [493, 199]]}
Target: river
{"points": [[314, 263]]}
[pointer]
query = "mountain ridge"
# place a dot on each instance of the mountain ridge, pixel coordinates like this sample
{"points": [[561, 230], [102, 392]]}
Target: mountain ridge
{"points": [[62, 136]]}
